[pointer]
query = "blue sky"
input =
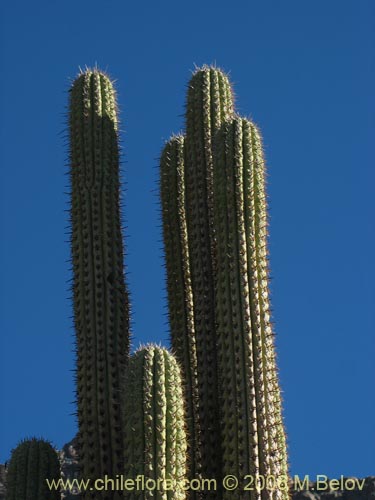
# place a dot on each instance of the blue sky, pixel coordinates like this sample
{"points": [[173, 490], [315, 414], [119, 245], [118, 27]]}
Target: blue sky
{"points": [[304, 72]]}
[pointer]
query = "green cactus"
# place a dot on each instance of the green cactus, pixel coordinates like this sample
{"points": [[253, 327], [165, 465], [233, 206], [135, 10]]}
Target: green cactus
{"points": [[132, 421], [32, 463], [155, 440], [186, 195], [214, 219], [253, 438], [99, 293], [181, 312]]}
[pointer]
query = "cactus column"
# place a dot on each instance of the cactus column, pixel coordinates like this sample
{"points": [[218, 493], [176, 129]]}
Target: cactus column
{"points": [[209, 104], [186, 193], [181, 310], [253, 439], [100, 296]]}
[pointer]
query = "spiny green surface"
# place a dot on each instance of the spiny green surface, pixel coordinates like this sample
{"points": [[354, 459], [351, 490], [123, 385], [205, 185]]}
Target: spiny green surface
{"points": [[100, 297], [253, 439], [215, 235], [32, 462], [209, 103], [155, 439], [181, 310]]}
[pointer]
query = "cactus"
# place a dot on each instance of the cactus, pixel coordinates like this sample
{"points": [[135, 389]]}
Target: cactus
{"points": [[253, 438], [214, 219], [100, 297], [32, 463], [181, 311], [186, 195], [155, 440], [215, 235]]}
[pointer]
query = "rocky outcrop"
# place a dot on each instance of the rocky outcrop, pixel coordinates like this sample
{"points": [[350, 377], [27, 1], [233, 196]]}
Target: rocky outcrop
{"points": [[2, 482], [312, 491], [69, 467]]}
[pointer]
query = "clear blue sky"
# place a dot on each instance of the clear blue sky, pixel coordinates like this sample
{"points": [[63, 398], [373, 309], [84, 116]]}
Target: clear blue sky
{"points": [[304, 72]]}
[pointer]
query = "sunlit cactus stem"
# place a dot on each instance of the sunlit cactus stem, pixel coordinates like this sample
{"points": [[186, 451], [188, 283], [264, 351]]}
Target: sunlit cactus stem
{"points": [[33, 467], [186, 194], [155, 439], [99, 292], [181, 309], [253, 438]]}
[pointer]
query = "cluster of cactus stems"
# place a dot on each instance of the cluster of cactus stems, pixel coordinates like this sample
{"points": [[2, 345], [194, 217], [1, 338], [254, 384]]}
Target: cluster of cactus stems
{"points": [[33, 461], [215, 233], [213, 407]]}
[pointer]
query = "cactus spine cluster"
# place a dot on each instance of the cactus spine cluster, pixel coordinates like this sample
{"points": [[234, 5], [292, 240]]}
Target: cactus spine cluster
{"points": [[99, 292], [154, 424], [33, 461], [215, 234]]}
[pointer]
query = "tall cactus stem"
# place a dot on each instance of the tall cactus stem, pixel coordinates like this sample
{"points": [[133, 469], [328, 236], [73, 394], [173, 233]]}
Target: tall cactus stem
{"points": [[209, 103], [253, 438], [180, 297], [100, 297]]}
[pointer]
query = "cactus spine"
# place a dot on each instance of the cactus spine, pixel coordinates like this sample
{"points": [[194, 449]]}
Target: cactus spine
{"points": [[32, 462], [186, 195], [155, 440], [216, 253], [100, 297]]}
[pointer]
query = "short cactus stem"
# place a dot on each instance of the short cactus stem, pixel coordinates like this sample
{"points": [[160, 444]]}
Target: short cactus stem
{"points": [[154, 424], [99, 293], [33, 463]]}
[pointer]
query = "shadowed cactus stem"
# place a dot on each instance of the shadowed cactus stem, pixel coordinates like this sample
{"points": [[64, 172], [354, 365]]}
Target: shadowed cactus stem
{"points": [[155, 439], [100, 297], [33, 462]]}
